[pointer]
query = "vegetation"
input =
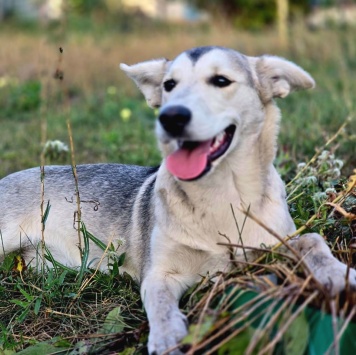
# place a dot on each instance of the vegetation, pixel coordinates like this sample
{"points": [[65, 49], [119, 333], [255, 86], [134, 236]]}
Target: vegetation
{"points": [[252, 15], [69, 312]]}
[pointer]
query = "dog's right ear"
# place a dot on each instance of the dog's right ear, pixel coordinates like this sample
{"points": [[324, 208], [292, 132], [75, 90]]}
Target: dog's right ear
{"points": [[278, 77], [148, 77]]}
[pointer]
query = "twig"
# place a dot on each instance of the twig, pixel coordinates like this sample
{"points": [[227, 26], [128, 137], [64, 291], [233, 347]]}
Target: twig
{"points": [[59, 74], [335, 344], [242, 228], [286, 325], [272, 232], [342, 330], [270, 251]]}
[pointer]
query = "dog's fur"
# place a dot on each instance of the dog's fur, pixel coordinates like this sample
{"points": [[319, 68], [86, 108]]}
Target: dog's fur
{"points": [[170, 226]]}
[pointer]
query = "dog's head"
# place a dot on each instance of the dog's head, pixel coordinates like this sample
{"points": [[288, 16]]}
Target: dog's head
{"points": [[210, 99]]}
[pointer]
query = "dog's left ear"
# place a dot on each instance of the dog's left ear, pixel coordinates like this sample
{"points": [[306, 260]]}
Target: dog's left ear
{"points": [[278, 77], [148, 77]]}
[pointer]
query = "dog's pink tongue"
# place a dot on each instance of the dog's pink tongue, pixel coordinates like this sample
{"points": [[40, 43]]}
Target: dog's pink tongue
{"points": [[188, 164]]}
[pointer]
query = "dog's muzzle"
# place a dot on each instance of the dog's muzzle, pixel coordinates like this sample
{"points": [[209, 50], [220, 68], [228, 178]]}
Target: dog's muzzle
{"points": [[174, 119], [193, 159]]}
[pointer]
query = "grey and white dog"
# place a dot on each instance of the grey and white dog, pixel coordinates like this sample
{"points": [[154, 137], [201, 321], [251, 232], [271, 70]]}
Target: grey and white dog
{"points": [[217, 130]]}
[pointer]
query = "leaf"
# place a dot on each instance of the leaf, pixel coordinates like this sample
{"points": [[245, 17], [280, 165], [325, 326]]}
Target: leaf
{"points": [[238, 344], [23, 315], [198, 331], [37, 306], [22, 304], [128, 351], [96, 241], [25, 294], [7, 352], [45, 215], [121, 259], [295, 339], [62, 277], [20, 264], [58, 342], [352, 182], [114, 322], [41, 349]]}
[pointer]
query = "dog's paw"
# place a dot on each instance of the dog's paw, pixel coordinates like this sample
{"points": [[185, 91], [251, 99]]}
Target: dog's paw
{"points": [[326, 269], [335, 277], [166, 334]]}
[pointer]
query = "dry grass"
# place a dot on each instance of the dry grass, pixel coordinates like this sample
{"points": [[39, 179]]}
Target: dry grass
{"points": [[90, 62]]}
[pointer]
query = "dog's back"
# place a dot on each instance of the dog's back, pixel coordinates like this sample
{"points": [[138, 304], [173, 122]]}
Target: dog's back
{"points": [[108, 195]]}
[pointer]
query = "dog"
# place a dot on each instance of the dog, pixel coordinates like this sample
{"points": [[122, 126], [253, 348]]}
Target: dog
{"points": [[217, 129]]}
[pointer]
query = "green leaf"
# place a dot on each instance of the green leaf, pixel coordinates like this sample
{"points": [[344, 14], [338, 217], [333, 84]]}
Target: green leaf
{"points": [[45, 214], [96, 241], [41, 349], [23, 315], [37, 306], [114, 322], [238, 344], [7, 352], [198, 331], [25, 294], [62, 277], [121, 259], [61, 343], [128, 351], [295, 339], [22, 304]]}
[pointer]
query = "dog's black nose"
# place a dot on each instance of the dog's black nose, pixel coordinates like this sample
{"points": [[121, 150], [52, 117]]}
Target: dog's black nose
{"points": [[174, 119]]}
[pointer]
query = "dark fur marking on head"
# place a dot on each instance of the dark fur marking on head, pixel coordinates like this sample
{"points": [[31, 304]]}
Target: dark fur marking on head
{"points": [[195, 53]]}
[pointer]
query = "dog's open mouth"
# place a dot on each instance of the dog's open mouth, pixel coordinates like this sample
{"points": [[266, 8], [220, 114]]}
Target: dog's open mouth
{"points": [[193, 159]]}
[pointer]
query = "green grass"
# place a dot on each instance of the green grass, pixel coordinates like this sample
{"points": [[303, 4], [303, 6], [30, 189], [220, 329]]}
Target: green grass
{"points": [[64, 311], [98, 91]]}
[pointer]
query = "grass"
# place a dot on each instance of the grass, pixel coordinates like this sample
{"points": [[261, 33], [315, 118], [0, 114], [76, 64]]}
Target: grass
{"points": [[98, 91], [66, 311]]}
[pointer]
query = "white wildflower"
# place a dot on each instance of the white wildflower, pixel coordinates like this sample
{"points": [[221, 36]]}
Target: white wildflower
{"points": [[323, 155], [310, 180], [330, 191], [335, 173], [55, 149], [320, 196], [338, 163], [300, 166]]}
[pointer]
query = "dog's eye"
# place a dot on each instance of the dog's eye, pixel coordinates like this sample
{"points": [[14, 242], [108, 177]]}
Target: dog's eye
{"points": [[169, 85], [219, 81]]}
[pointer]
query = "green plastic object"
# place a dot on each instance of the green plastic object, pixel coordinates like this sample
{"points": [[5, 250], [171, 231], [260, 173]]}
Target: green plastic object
{"points": [[312, 330]]}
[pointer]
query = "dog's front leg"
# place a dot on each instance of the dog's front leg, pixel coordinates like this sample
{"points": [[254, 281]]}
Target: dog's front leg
{"points": [[160, 292], [327, 270]]}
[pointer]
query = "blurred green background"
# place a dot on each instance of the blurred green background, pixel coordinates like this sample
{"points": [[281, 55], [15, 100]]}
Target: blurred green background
{"points": [[109, 118]]}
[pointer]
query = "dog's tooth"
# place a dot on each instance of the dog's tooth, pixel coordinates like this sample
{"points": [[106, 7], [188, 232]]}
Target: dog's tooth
{"points": [[219, 139]]}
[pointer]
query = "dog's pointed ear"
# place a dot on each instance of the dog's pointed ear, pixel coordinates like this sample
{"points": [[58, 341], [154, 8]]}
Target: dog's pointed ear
{"points": [[279, 77], [148, 77]]}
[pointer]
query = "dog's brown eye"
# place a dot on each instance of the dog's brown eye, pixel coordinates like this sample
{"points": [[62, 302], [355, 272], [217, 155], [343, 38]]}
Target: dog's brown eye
{"points": [[169, 85], [219, 81]]}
